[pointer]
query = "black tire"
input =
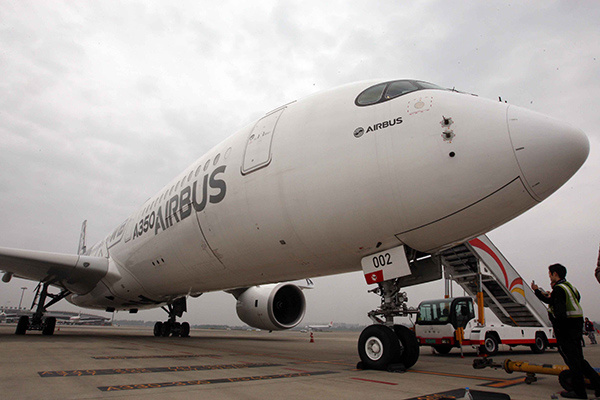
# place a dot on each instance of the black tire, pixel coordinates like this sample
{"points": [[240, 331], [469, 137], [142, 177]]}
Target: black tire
{"points": [[166, 329], [410, 345], [565, 380], [22, 325], [158, 329], [443, 348], [490, 345], [185, 330], [48, 327], [378, 347], [540, 344]]}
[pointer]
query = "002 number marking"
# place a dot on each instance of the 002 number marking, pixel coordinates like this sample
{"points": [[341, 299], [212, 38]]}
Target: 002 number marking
{"points": [[382, 260]]}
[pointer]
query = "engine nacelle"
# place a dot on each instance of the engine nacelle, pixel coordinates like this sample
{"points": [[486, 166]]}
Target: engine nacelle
{"points": [[271, 307]]}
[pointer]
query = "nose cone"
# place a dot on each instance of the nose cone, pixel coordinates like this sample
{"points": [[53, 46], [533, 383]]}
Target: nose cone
{"points": [[549, 152]]}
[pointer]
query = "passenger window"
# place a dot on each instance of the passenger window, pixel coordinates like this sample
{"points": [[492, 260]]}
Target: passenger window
{"points": [[371, 96], [206, 165], [198, 170], [189, 178], [217, 159]]}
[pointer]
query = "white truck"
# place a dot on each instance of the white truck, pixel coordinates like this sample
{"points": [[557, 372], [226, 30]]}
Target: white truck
{"points": [[485, 274], [447, 323]]}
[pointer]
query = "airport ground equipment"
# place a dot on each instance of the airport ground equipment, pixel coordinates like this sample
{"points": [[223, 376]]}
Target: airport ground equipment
{"points": [[530, 369], [485, 274], [447, 323]]}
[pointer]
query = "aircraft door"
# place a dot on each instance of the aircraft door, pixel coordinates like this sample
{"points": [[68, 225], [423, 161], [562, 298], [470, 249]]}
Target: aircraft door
{"points": [[258, 147]]}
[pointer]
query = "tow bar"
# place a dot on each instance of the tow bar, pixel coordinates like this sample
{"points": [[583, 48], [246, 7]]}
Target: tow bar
{"points": [[562, 371]]}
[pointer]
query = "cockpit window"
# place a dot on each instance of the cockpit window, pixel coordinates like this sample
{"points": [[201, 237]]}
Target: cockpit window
{"points": [[398, 88], [371, 96], [390, 90]]}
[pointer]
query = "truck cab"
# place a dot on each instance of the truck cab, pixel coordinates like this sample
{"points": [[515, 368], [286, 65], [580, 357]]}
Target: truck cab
{"points": [[438, 321]]}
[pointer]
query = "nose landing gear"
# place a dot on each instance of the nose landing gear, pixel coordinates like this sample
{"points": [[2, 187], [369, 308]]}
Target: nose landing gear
{"points": [[384, 345]]}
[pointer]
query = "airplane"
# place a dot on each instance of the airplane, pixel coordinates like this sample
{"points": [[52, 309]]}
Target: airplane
{"points": [[377, 175], [319, 328]]}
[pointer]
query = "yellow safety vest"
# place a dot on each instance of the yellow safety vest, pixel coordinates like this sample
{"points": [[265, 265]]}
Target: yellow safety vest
{"points": [[574, 309]]}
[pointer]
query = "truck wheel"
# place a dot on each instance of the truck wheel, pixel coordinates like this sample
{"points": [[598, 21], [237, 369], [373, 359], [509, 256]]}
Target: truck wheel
{"points": [[410, 345], [490, 345], [378, 347], [540, 344], [443, 348]]}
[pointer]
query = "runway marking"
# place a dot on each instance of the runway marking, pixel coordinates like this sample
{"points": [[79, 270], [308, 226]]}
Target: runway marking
{"points": [[211, 381], [459, 394], [296, 360], [295, 369], [118, 371], [333, 362], [506, 383], [173, 356], [492, 382], [374, 381]]}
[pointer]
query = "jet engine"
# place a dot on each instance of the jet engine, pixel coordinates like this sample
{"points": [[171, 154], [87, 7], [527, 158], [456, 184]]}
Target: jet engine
{"points": [[271, 307]]}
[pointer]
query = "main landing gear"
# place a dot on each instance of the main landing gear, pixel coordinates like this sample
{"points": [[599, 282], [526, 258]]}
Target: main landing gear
{"points": [[38, 322], [171, 327], [383, 345]]}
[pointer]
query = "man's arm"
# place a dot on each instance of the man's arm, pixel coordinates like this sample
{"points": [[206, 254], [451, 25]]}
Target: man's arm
{"points": [[543, 296]]}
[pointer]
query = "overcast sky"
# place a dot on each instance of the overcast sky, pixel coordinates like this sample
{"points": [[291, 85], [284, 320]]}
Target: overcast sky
{"points": [[102, 103]]}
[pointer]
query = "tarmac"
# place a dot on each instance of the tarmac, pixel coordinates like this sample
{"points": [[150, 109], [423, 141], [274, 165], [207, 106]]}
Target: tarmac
{"points": [[85, 362]]}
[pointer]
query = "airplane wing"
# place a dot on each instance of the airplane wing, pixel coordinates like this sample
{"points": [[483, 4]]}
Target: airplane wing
{"points": [[77, 273]]}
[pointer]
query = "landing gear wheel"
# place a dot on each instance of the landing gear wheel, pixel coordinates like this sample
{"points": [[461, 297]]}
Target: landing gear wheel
{"points": [[378, 347], [22, 325], [166, 329], [490, 345], [443, 348], [410, 345], [539, 345], [48, 327], [185, 330], [158, 328]]}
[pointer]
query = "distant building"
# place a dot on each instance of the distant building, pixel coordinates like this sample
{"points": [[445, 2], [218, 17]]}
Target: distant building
{"points": [[12, 315]]}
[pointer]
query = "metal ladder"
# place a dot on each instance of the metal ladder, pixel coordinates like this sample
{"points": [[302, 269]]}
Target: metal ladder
{"points": [[478, 262]]}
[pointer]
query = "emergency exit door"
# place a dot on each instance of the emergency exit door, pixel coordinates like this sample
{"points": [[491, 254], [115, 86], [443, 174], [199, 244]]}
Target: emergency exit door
{"points": [[258, 147]]}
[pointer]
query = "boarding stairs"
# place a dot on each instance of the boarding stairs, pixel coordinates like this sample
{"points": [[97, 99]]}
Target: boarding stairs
{"points": [[478, 263]]}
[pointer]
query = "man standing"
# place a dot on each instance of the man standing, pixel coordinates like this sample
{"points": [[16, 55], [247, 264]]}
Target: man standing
{"points": [[589, 330], [567, 319]]}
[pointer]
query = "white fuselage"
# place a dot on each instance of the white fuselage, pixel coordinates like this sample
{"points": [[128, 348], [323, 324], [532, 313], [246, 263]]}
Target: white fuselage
{"points": [[302, 193]]}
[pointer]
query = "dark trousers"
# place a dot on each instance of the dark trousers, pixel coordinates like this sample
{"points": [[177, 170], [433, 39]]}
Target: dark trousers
{"points": [[569, 343]]}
